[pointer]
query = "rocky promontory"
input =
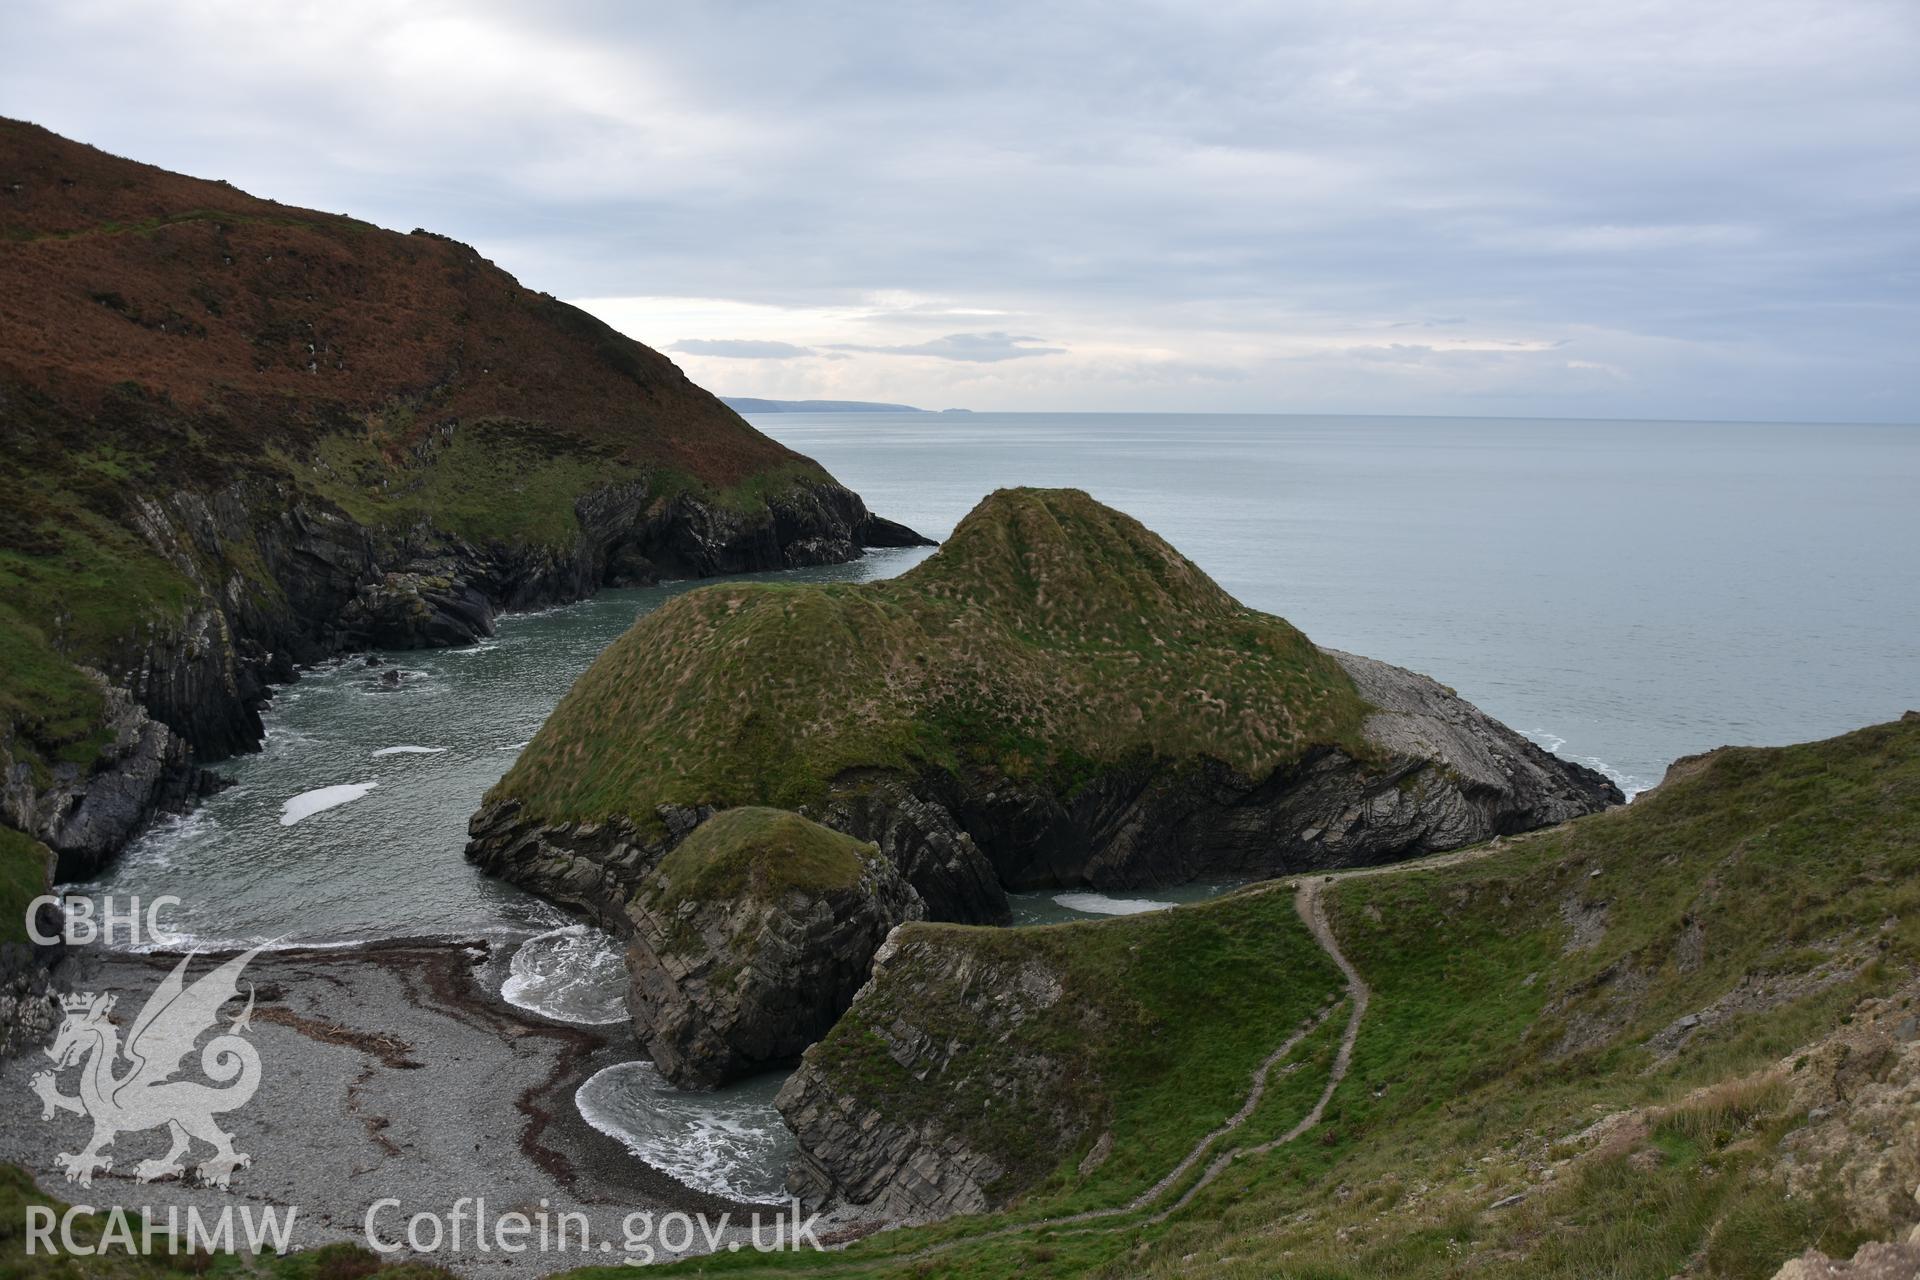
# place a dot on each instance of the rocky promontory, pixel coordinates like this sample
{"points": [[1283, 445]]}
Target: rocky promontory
{"points": [[1739, 942], [242, 437], [750, 939], [1056, 697]]}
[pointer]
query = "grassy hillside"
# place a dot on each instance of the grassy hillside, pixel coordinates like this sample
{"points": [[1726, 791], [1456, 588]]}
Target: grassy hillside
{"points": [[1049, 636], [24, 876], [1698, 1061], [1086, 1057], [161, 334]]}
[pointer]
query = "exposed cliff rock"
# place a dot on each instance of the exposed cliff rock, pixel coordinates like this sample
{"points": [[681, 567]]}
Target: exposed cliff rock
{"points": [[977, 1063], [85, 812], [29, 1009], [913, 1165], [747, 942], [938, 858], [243, 436], [1054, 698]]}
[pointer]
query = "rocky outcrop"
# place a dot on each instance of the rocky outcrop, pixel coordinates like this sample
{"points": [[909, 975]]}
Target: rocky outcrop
{"points": [[1445, 775], [746, 944], [416, 610], [85, 813], [1878, 1260], [934, 854], [854, 1147], [29, 1008], [1055, 698]]}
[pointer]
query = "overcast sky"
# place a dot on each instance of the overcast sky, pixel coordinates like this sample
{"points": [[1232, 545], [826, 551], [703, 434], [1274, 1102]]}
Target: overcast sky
{"points": [[1672, 209]]}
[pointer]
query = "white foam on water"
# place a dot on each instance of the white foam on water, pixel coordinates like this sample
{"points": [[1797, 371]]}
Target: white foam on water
{"points": [[308, 803], [1630, 785], [513, 746], [1549, 742], [1100, 904], [571, 974], [409, 751], [730, 1142]]}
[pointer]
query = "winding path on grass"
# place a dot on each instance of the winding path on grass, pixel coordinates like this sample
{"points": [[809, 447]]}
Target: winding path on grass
{"points": [[1309, 902]]}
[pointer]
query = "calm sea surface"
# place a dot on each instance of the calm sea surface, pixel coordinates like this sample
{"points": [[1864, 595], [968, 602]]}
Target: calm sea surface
{"points": [[1623, 592], [1635, 591]]}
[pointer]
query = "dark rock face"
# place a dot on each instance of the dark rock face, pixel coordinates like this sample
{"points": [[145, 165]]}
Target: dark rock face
{"points": [[1453, 776], [29, 1010], [935, 855], [723, 988], [590, 868], [593, 868], [85, 816], [338, 586], [905, 1167], [418, 611], [1449, 775]]}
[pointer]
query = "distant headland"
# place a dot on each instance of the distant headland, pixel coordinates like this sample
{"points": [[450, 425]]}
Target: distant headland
{"points": [[751, 404]]}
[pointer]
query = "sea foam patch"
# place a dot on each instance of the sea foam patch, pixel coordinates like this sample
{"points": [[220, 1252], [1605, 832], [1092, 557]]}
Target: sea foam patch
{"points": [[728, 1142], [308, 803], [570, 974], [408, 751], [1099, 904]]}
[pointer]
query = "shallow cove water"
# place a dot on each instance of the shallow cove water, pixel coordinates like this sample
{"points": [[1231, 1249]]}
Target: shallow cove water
{"points": [[1625, 592]]}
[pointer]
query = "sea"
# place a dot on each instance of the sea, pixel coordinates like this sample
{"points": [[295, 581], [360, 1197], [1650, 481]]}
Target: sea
{"points": [[1624, 593]]}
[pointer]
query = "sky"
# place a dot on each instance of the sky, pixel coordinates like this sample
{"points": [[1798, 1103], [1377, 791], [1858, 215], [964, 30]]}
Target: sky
{"points": [[1489, 207]]}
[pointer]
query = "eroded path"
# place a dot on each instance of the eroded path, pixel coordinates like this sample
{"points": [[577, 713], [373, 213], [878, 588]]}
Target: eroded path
{"points": [[1309, 902]]}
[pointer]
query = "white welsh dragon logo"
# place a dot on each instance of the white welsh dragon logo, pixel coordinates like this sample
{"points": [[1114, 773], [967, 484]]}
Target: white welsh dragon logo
{"points": [[143, 1096]]}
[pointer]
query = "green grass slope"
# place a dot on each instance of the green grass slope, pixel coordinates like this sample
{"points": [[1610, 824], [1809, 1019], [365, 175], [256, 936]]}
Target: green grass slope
{"points": [[1699, 1061], [1159, 1022], [1050, 636], [762, 854]]}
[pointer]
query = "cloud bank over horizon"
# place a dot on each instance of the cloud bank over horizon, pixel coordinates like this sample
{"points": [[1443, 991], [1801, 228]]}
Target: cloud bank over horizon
{"points": [[1618, 209]]}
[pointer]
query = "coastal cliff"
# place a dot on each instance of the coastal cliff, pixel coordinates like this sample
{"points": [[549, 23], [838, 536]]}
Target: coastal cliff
{"points": [[243, 437], [1055, 698], [1696, 1014]]}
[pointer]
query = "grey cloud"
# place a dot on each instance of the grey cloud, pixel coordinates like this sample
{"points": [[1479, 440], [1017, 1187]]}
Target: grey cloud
{"points": [[1726, 190], [740, 348], [972, 348]]}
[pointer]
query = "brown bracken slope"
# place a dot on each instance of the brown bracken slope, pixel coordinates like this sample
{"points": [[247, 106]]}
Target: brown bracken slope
{"points": [[115, 272], [239, 436]]}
